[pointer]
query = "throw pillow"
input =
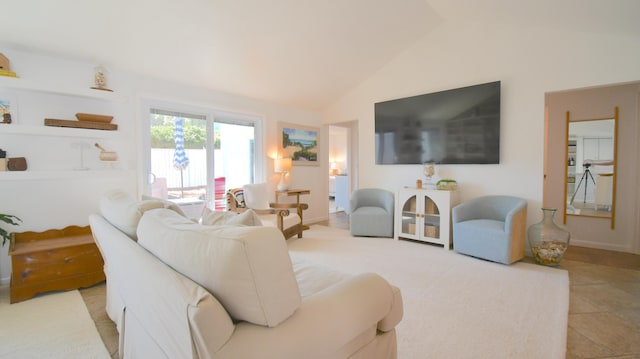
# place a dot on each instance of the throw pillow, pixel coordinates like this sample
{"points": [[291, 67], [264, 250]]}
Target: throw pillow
{"points": [[167, 204], [246, 218], [248, 269], [210, 218], [238, 195], [256, 196], [124, 212]]}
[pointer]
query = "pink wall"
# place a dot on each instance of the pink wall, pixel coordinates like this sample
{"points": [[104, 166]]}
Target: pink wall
{"points": [[597, 103]]}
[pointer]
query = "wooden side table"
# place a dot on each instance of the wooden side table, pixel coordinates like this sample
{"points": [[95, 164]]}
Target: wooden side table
{"points": [[297, 193], [57, 259]]}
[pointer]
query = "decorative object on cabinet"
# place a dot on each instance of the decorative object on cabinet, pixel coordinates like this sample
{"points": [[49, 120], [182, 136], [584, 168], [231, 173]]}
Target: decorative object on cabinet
{"points": [[3, 160], [100, 79], [548, 240], [4, 63], [333, 169], [17, 164], [371, 212], [80, 124], [106, 155], [491, 227], [6, 108], [425, 215], [429, 171], [300, 143], [4, 67], [90, 117], [447, 185], [282, 166]]}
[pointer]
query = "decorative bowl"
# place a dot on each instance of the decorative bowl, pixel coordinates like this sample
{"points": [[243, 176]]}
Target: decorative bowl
{"points": [[89, 117], [447, 185], [108, 156]]}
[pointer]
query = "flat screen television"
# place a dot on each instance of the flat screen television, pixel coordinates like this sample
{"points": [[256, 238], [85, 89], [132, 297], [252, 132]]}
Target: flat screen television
{"points": [[458, 126]]}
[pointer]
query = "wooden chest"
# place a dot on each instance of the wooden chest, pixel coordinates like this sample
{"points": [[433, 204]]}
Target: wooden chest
{"points": [[57, 259]]}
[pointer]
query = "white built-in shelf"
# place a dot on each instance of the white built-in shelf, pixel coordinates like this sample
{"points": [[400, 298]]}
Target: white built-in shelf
{"points": [[32, 130], [62, 174], [18, 83]]}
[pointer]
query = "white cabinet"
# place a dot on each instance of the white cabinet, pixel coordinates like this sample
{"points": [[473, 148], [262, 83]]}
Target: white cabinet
{"points": [[425, 215], [342, 193]]}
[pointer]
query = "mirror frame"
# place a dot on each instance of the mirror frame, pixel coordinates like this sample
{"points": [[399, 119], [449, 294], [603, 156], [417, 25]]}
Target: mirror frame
{"points": [[615, 164]]}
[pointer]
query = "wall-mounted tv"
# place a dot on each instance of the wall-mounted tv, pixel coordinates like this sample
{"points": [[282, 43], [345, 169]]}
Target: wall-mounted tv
{"points": [[459, 126]]}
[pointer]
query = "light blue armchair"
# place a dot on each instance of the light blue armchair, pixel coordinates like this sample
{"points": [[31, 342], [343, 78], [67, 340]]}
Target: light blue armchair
{"points": [[491, 228], [371, 212]]}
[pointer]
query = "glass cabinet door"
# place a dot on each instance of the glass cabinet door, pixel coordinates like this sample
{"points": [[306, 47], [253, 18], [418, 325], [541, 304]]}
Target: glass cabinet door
{"points": [[409, 216], [431, 226]]}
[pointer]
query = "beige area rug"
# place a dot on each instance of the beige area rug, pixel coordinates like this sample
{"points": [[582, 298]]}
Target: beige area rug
{"points": [[455, 306], [52, 326]]}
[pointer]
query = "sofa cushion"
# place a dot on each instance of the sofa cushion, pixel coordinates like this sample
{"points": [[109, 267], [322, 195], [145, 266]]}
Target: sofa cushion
{"points": [[124, 212], [167, 204], [247, 268], [246, 218]]}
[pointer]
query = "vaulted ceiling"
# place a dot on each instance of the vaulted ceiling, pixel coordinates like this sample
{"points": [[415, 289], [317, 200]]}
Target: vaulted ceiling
{"points": [[302, 53]]}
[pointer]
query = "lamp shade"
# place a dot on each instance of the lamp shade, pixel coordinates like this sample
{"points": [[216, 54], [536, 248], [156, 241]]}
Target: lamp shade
{"points": [[282, 165]]}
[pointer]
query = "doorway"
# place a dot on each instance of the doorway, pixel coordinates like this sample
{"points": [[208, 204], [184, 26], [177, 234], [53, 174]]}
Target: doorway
{"points": [[342, 168]]}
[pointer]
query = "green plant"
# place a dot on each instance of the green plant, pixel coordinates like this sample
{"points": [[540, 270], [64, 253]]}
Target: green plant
{"points": [[10, 219]]}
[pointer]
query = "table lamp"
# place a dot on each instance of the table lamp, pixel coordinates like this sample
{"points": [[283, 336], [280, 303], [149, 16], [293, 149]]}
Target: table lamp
{"points": [[282, 166]]}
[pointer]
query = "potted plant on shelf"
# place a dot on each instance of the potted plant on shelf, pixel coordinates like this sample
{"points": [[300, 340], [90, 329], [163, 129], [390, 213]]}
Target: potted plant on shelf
{"points": [[10, 219]]}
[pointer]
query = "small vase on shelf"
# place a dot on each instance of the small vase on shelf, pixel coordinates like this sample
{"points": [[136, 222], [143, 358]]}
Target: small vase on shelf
{"points": [[548, 240], [429, 171]]}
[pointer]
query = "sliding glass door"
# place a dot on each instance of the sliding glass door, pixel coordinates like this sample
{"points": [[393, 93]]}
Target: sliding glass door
{"points": [[234, 157], [194, 156]]}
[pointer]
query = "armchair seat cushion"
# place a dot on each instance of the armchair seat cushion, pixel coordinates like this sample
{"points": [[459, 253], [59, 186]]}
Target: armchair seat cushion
{"points": [[371, 212], [488, 226], [491, 228], [271, 220]]}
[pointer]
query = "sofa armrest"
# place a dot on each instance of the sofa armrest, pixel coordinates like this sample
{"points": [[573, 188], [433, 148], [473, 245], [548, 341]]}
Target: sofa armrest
{"points": [[394, 317], [324, 323]]}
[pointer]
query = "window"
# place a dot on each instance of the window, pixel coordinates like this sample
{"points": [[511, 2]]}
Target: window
{"points": [[194, 156]]}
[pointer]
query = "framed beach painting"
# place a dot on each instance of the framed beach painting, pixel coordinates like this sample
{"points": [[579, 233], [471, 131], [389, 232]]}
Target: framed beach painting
{"points": [[300, 143]]}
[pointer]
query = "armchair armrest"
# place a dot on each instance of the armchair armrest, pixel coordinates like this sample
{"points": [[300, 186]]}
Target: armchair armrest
{"points": [[282, 210]]}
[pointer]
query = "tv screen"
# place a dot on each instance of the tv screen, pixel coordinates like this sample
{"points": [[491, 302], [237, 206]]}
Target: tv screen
{"points": [[459, 126]]}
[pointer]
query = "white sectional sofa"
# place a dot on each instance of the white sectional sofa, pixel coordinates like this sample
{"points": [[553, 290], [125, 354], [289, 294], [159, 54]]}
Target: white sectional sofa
{"points": [[178, 289]]}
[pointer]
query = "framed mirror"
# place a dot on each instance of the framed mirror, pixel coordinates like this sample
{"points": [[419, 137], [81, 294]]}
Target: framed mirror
{"points": [[590, 188]]}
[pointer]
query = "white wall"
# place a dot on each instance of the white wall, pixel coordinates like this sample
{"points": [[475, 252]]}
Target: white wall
{"points": [[529, 61], [46, 203]]}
